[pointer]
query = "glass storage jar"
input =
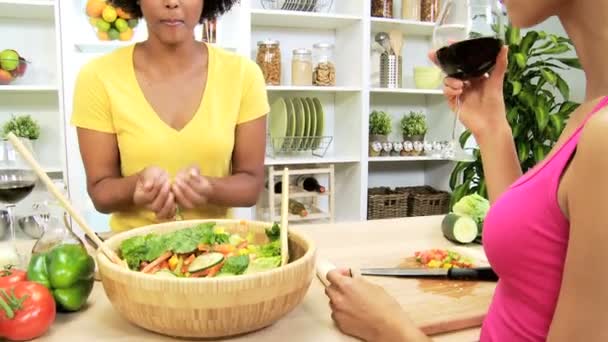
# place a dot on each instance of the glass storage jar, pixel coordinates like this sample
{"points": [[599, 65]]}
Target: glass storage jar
{"points": [[382, 8], [324, 73], [301, 67], [429, 10], [269, 60], [410, 10]]}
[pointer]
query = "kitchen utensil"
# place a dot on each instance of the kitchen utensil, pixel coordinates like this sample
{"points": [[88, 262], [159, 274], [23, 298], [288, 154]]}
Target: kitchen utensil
{"points": [[477, 273], [383, 39], [396, 41], [31, 226], [62, 200], [391, 71], [284, 217]]}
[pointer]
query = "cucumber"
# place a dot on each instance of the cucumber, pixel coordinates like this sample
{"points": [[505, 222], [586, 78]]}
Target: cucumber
{"points": [[205, 261], [459, 228]]}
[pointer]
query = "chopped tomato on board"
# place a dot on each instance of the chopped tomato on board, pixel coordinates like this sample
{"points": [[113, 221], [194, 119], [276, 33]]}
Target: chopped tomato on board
{"points": [[442, 258]]}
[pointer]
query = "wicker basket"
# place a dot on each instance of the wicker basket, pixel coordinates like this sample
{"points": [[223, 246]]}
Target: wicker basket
{"points": [[209, 308], [426, 201], [383, 202]]}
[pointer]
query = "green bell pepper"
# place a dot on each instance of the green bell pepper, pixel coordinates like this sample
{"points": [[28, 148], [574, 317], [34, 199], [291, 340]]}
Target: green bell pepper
{"points": [[67, 270]]}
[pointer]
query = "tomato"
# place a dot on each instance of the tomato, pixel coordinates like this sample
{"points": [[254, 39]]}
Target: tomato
{"points": [[10, 276], [27, 310]]}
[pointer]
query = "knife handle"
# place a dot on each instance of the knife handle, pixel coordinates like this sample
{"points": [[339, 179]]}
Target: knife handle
{"points": [[476, 273]]}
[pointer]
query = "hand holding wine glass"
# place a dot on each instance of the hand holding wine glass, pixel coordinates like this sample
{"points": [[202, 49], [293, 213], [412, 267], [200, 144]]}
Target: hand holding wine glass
{"points": [[469, 39], [482, 105]]}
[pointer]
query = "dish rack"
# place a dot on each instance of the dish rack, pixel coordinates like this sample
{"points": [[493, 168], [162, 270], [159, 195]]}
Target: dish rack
{"points": [[318, 146], [298, 5]]}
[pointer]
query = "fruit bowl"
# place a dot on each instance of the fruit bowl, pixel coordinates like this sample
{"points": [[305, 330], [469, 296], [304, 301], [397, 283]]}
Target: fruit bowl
{"points": [[110, 22], [12, 66], [209, 307]]}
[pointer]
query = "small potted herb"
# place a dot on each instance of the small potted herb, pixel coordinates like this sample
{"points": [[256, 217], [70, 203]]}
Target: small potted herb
{"points": [[413, 126], [379, 126], [23, 127]]}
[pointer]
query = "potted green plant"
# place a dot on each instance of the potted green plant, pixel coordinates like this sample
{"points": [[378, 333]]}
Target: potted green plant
{"points": [[413, 126], [380, 126], [537, 101], [23, 126]]}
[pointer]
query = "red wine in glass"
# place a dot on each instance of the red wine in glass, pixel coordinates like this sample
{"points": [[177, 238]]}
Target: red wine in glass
{"points": [[469, 59], [14, 191]]}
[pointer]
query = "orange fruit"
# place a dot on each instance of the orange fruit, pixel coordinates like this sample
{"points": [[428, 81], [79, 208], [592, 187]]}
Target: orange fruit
{"points": [[122, 14], [95, 8], [103, 35], [127, 35]]}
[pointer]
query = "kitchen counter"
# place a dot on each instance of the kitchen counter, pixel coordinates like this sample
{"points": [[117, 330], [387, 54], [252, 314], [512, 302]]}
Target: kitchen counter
{"points": [[372, 243]]}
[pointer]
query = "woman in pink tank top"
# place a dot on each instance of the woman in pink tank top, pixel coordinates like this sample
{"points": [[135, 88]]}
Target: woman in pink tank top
{"points": [[546, 235]]}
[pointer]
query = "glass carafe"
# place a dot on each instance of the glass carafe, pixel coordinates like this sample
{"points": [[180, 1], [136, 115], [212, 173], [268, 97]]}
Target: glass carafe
{"points": [[57, 230]]}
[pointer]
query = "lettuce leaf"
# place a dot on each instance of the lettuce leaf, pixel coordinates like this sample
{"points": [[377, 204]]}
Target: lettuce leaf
{"points": [[235, 265], [263, 264]]}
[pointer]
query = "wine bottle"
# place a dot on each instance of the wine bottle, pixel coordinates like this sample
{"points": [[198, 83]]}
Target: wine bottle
{"points": [[297, 208], [309, 183], [278, 187]]}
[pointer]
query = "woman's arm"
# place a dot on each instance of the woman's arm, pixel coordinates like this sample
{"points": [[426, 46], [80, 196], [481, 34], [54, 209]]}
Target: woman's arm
{"points": [[581, 313], [242, 188], [109, 191], [499, 158]]}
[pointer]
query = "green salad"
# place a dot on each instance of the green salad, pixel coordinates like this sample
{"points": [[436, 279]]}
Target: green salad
{"points": [[202, 251]]}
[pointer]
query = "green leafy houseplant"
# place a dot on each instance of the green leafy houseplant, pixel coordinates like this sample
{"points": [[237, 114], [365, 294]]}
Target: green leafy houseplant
{"points": [[413, 126], [380, 124], [22, 126], [537, 102]]}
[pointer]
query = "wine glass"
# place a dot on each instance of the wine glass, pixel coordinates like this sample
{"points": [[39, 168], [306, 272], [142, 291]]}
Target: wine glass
{"points": [[468, 37], [17, 180]]}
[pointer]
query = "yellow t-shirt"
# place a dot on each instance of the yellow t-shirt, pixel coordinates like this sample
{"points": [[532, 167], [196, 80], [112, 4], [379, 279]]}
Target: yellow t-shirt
{"points": [[107, 98]]}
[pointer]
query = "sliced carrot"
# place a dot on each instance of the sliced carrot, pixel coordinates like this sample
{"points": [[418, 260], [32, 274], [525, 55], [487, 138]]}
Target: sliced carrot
{"points": [[204, 247], [214, 270], [242, 244], [184, 268], [164, 264], [224, 249], [157, 262], [189, 260]]}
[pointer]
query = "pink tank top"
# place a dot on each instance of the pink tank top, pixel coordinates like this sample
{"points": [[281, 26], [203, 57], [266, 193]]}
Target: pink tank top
{"points": [[525, 238]]}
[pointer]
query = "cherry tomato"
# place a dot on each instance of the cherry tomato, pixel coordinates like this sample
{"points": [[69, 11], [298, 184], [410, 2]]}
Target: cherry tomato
{"points": [[27, 310]]}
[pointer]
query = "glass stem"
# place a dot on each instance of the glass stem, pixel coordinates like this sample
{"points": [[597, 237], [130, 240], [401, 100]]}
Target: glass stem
{"points": [[10, 208]]}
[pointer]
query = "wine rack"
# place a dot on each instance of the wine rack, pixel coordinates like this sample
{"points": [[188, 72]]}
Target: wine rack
{"points": [[269, 207]]}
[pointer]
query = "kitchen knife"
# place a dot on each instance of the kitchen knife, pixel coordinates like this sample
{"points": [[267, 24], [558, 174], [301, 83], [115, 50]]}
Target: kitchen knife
{"points": [[476, 273]]}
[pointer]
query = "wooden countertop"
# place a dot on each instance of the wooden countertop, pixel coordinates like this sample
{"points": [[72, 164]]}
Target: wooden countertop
{"points": [[343, 244]]}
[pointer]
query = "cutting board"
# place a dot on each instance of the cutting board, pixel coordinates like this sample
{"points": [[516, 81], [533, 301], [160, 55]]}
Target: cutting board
{"points": [[436, 306]]}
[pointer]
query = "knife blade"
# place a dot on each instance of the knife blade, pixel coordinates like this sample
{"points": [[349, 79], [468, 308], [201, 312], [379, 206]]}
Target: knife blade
{"points": [[475, 273]]}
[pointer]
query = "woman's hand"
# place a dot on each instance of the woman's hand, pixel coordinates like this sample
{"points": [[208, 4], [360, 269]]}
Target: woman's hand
{"points": [[364, 310], [482, 102], [153, 192], [191, 189]]}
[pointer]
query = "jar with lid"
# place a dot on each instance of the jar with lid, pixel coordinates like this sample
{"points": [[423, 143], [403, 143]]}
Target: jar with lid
{"points": [[410, 10], [382, 8], [324, 73], [269, 60], [301, 67], [429, 10]]}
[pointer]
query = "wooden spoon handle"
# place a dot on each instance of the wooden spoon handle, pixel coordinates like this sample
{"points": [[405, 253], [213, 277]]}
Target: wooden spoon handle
{"points": [[25, 153], [284, 217]]}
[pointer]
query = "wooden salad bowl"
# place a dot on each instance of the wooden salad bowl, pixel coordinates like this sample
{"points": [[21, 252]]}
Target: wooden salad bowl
{"points": [[209, 307]]}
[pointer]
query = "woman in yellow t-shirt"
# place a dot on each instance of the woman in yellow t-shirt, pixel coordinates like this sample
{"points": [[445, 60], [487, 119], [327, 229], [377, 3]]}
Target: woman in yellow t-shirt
{"points": [[171, 122]]}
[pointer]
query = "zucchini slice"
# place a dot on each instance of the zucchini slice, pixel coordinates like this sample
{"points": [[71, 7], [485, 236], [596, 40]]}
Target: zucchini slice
{"points": [[205, 261], [165, 274], [459, 228]]}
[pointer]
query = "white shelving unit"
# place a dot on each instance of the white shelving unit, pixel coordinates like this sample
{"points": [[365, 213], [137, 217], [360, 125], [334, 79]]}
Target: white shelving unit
{"points": [[32, 29]]}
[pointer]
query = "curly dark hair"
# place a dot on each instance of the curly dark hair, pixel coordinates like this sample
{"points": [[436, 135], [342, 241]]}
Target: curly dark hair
{"points": [[212, 8]]}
